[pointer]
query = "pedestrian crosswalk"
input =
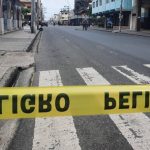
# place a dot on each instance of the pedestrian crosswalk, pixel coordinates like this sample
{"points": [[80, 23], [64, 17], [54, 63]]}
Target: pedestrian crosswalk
{"points": [[60, 133], [132, 75], [147, 65], [92, 77], [54, 133]]}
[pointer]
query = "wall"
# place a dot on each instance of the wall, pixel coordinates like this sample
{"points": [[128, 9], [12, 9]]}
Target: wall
{"points": [[127, 6], [1, 19], [10, 18]]}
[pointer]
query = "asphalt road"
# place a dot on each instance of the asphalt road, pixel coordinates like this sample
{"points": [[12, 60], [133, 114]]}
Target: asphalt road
{"points": [[70, 56]]}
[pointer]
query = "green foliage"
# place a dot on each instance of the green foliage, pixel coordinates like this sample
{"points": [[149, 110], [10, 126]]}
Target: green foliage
{"points": [[25, 11], [89, 13]]}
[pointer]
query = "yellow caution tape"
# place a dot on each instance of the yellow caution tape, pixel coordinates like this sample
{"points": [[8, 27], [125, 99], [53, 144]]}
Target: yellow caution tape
{"points": [[73, 101]]}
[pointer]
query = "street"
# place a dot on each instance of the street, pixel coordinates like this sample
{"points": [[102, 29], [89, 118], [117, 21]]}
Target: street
{"points": [[70, 56]]}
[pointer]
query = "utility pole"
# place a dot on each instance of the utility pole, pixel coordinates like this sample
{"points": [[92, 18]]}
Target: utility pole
{"points": [[68, 6], [138, 14], [120, 16], [77, 7], [68, 15], [33, 16], [77, 18], [38, 13]]}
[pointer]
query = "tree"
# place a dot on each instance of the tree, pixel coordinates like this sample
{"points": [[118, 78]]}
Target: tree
{"points": [[25, 11], [89, 11]]}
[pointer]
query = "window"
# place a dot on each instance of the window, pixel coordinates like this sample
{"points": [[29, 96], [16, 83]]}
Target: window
{"points": [[107, 1], [100, 2], [97, 3], [93, 4]]}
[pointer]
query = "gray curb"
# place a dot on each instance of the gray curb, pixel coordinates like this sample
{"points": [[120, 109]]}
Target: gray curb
{"points": [[9, 77], [32, 42], [11, 74], [9, 129], [148, 35], [102, 30], [7, 132]]}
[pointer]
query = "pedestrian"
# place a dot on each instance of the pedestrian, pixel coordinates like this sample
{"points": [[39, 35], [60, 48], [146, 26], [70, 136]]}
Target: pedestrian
{"points": [[85, 24], [109, 23]]}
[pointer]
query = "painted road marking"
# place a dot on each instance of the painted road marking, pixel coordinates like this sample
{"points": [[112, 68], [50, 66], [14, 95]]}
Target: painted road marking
{"points": [[132, 75], [92, 77], [67, 40], [56, 133], [50, 78], [147, 65], [134, 127]]}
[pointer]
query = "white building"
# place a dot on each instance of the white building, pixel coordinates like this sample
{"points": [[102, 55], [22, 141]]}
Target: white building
{"points": [[64, 17], [144, 17], [56, 18], [110, 9]]}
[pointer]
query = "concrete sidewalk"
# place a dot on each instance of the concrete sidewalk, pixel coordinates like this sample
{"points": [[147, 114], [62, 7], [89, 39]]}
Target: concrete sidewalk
{"points": [[145, 33], [13, 51], [13, 56], [16, 41], [131, 32]]}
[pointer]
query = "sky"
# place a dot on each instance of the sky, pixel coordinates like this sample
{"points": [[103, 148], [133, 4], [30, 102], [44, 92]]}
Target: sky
{"points": [[52, 7]]}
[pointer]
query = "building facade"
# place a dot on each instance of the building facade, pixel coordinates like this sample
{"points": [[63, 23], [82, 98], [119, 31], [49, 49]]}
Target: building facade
{"points": [[145, 14], [26, 4], [81, 9], [111, 9], [39, 16], [81, 6], [55, 19], [130, 9], [64, 16], [144, 10], [10, 15]]}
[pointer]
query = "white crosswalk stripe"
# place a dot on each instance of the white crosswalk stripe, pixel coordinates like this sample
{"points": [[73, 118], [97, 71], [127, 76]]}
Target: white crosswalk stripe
{"points": [[50, 78], [134, 127], [54, 133], [92, 77], [147, 65], [59, 133], [132, 75]]}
